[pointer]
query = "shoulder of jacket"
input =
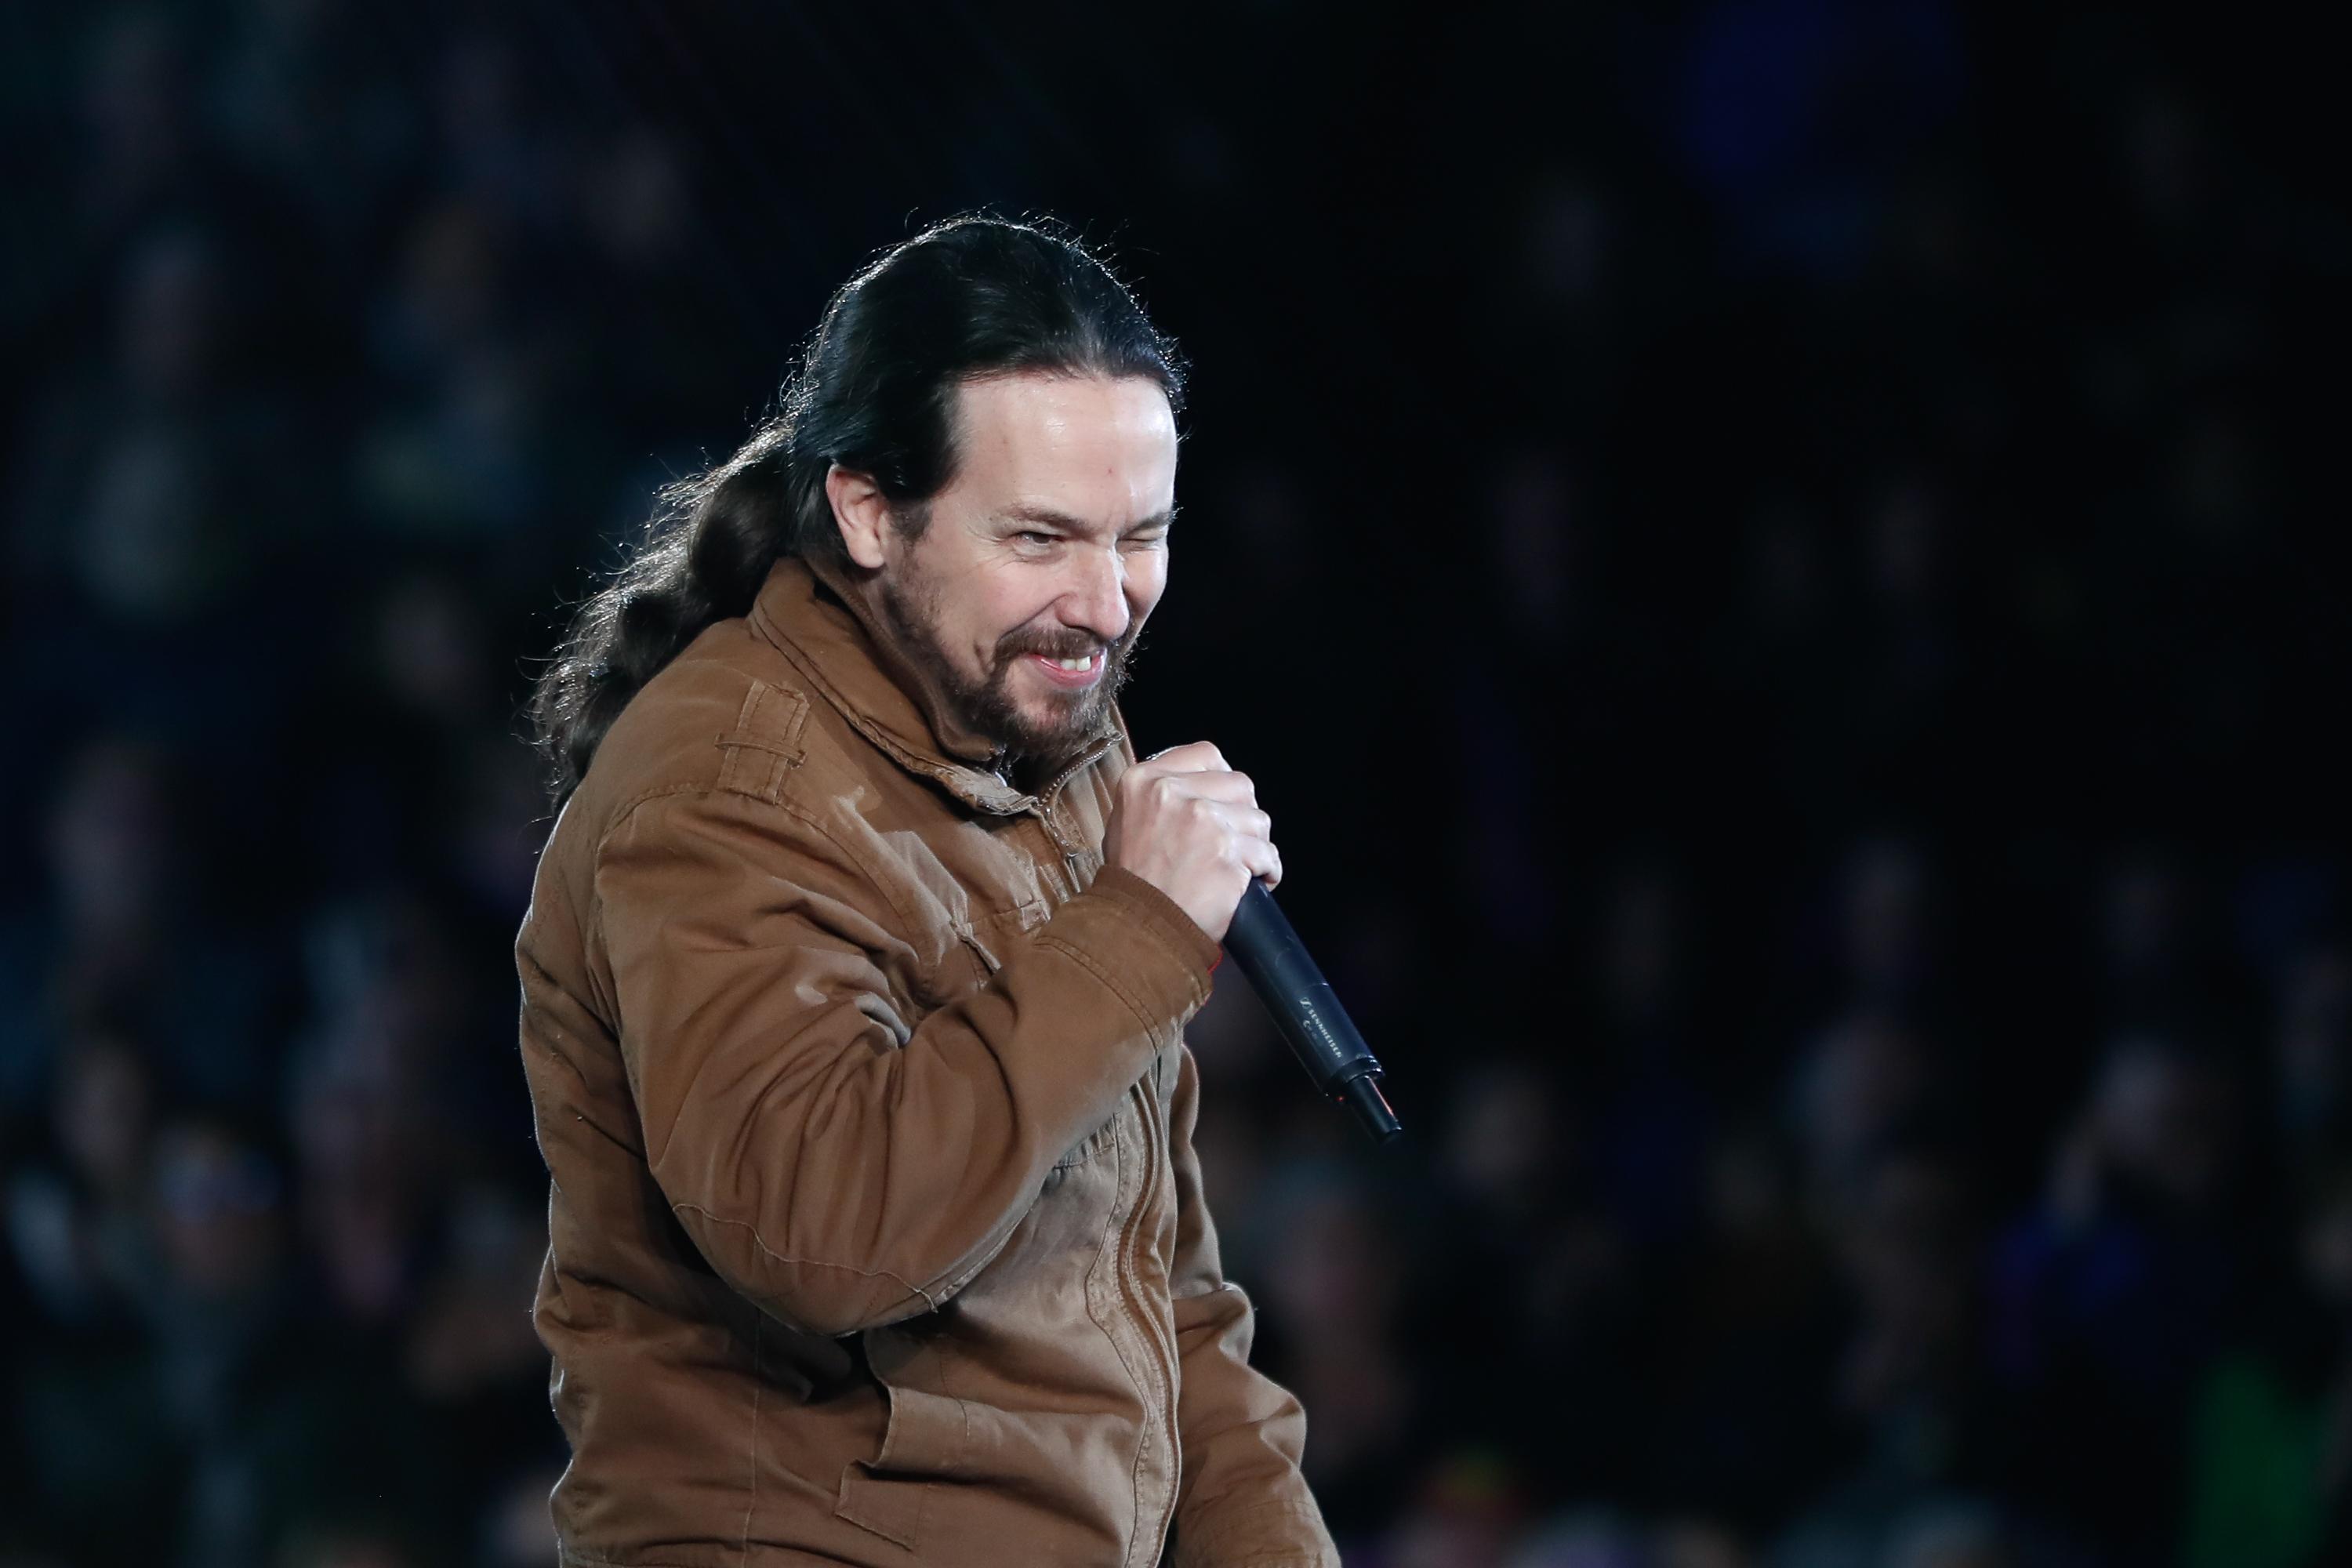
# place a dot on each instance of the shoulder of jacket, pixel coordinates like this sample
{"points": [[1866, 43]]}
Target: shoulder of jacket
{"points": [[716, 716], [733, 746]]}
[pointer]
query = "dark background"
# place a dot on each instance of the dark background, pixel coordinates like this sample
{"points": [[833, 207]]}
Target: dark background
{"points": [[1767, 556]]}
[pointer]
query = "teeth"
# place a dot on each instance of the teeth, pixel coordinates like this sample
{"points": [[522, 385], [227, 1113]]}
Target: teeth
{"points": [[1076, 665]]}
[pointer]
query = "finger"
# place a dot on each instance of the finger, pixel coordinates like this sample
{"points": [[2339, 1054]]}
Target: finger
{"points": [[1238, 817], [1228, 788], [1250, 832], [1197, 756]]}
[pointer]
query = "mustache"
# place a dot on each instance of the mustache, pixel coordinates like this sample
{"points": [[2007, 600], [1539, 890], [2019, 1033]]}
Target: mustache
{"points": [[1067, 645]]}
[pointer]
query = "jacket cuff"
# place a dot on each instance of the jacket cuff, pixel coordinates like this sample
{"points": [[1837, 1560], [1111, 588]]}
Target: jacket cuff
{"points": [[1281, 1534], [1163, 915], [1141, 944]]}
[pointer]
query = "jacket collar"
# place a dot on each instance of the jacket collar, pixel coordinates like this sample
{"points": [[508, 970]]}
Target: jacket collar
{"points": [[819, 621]]}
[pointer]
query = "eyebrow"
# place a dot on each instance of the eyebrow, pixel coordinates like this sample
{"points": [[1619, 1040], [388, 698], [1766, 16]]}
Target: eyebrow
{"points": [[1047, 517]]}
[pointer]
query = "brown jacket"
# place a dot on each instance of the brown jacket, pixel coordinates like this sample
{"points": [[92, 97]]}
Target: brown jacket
{"points": [[876, 1231]]}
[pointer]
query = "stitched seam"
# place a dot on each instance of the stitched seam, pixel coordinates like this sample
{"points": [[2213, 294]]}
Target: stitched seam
{"points": [[729, 779], [959, 780], [1156, 919], [909, 1533], [962, 1456], [748, 741], [792, 809], [1088, 1150], [628, 808], [783, 735], [1165, 1392], [880, 884], [1223, 1522], [1150, 1029], [913, 1529], [755, 695], [731, 765], [1107, 1255], [947, 1285], [1206, 1545], [777, 743], [775, 1256]]}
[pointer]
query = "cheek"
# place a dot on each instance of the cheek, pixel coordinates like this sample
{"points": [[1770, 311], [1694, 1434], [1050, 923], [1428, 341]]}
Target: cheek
{"points": [[1146, 578], [1008, 602]]}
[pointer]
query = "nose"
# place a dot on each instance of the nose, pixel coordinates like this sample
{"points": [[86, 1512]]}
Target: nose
{"points": [[1096, 601]]}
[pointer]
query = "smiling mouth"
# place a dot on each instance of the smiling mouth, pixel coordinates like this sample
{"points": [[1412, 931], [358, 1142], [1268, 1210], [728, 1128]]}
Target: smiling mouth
{"points": [[1068, 671]]}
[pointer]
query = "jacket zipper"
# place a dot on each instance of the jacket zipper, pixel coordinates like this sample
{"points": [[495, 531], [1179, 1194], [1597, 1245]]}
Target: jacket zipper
{"points": [[1131, 1246], [1163, 1355]]}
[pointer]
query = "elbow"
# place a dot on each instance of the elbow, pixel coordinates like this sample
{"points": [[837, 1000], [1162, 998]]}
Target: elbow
{"points": [[824, 1309], [810, 1296]]}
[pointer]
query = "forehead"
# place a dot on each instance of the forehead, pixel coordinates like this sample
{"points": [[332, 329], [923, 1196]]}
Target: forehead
{"points": [[1092, 447]]}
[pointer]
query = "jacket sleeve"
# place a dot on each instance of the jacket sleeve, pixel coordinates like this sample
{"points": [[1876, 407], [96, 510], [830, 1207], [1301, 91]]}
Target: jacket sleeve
{"points": [[1243, 1500], [835, 1166]]}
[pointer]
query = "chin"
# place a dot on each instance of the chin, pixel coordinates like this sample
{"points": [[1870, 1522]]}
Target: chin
{"points": [[1059, 734]]}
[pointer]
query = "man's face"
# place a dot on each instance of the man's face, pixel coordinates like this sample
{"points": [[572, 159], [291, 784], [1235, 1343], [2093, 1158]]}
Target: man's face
{"points": [[1026, 591]]}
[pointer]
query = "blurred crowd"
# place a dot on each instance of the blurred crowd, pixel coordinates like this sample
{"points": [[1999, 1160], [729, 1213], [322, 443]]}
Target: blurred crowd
{"points": [[1757, 550]]}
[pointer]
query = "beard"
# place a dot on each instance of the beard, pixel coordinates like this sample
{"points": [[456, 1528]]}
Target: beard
{"points": [[1072, 720]]}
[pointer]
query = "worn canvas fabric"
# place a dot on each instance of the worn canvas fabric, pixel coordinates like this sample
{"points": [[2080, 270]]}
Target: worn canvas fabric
{"points": [[875, 1233]]}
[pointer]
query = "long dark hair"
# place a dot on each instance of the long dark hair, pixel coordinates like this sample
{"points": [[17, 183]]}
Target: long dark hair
{"points": [[972, 297]]}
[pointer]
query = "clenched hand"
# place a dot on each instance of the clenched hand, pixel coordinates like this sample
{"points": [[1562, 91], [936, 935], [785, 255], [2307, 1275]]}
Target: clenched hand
{"points": [[1189, 826]]}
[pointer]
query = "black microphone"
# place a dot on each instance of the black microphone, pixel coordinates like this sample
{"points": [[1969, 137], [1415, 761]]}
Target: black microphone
{"points": [[1306, 1010]]}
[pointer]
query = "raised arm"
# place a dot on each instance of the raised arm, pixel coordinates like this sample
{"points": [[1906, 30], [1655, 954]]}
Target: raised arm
{"points": [[833, 1164]]}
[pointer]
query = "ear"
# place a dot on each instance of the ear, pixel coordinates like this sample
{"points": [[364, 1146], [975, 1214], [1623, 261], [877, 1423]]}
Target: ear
{"points": [[862, 514]]}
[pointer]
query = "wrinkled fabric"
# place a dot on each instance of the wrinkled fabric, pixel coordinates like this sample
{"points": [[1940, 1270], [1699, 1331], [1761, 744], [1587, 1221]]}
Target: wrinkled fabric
{"points": [[875, 1233]]}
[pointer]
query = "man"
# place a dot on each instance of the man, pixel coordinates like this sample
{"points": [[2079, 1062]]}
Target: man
{"points": [[857, 965]]}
